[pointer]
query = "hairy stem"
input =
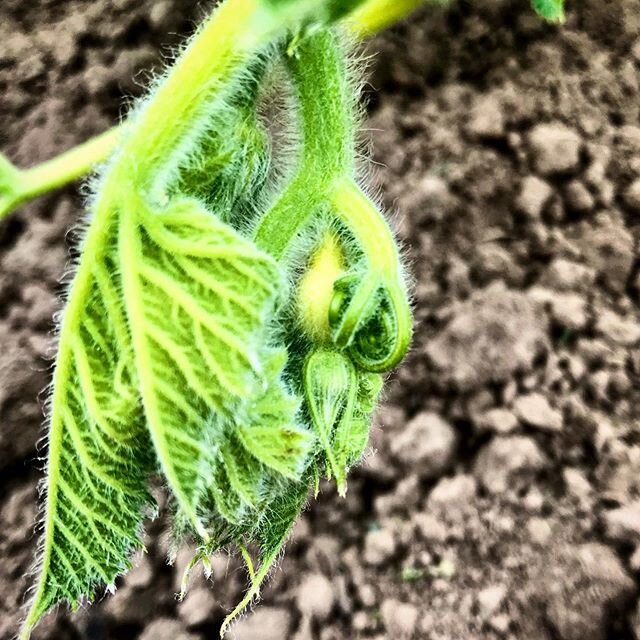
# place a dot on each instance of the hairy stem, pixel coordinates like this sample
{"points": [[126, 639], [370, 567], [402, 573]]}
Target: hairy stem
{"points": [[64, 169], [367, 20], [375, 15], [326, 101]]}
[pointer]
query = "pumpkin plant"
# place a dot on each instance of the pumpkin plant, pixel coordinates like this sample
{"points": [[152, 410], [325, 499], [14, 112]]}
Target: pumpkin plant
{"points": [[237, 300]]}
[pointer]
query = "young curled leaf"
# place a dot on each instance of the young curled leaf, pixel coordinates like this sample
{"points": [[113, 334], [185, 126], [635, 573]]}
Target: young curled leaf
{"points": [[260, 451]]}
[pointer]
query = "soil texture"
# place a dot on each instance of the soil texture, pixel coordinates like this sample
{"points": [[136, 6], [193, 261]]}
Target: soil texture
{"points": [[500, 498]]}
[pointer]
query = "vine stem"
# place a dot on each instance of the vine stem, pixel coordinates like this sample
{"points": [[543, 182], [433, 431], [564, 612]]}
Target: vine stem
{"points": [[79, 161], [59, 171], [375, 15]]}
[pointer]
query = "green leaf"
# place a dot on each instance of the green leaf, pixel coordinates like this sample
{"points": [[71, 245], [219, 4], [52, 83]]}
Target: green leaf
{"points": [[259, 452], [271, 433], [197, 296], [271, 535], [246, 478], [352, 432], [231, 166], [99, 454], [283, 448], [550, 10]]}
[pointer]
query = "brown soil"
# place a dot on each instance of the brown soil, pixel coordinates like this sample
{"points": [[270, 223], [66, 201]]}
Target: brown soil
{"points": [[501, 496]]}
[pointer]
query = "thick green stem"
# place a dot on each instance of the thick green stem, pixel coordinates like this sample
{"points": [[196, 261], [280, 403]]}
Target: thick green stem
{"points": [[326, 101], [374, 319]]}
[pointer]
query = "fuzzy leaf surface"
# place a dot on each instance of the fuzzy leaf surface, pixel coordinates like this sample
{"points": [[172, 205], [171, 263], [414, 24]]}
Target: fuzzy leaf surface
{"points": [[99, 454], [271, 535], [331, 386], [260, 452], [197, 296]]}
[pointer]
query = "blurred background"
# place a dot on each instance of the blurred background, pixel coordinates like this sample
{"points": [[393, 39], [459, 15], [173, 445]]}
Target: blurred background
{"points": [[500, 497]]}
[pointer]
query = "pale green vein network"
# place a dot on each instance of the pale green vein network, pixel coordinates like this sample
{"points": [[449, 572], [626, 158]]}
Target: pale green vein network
{"points": [[197, 296], [98, 447]]}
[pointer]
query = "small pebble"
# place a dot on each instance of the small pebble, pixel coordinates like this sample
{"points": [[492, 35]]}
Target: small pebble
{"points": [[490, 599], [539, 531], [379, 547], [400, 619], [555, 147], [534, 409], [534, 195]]}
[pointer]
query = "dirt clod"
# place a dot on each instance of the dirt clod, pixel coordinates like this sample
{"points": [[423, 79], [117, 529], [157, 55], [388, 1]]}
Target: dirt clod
{"points": [[316, 597], [268, 623], [555, 147], [534, 195], [426, 445], [595, 587], [534, 409], [399, 619], [166, 629], [490, 337], [379, 547], [508, 463]]}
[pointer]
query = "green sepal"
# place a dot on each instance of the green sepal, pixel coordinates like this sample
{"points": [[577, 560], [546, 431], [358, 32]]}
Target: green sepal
{"points": [[331, 387], [352, 432], [255, 454], [270, 431]]}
